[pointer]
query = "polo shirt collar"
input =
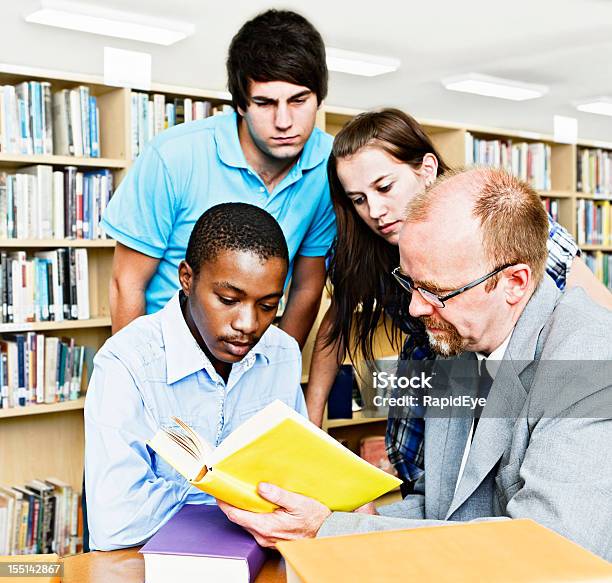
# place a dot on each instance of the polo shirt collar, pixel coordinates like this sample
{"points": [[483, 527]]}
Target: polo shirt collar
{"points": [[230, 152], [184, 356]]}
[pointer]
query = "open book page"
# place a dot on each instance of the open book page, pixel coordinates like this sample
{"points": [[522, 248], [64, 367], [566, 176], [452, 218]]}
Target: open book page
{"points": [[183, 449], [261, 423]]}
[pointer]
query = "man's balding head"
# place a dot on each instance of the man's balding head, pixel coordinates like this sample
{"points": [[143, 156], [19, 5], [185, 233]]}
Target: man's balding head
{"points": [[511, 218], [465, 226]]}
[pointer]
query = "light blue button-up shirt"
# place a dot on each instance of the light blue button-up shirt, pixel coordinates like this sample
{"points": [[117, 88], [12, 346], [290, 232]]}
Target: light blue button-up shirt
{"points": [[191, 167], [149, 371]]}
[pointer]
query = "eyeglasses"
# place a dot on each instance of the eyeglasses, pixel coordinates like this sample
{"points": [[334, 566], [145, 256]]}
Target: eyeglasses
{"points": [[430, 297]]}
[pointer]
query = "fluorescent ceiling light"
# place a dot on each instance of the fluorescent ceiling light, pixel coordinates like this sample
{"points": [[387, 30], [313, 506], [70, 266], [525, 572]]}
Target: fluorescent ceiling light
{"points": [[494, 87], [98, 20], [362, 64], [600, 105]]}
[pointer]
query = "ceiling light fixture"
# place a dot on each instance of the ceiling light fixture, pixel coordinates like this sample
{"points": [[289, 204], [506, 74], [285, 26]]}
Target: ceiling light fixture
{"points": [[600, 105], [494, 87], [98, 20], [362, 64]]}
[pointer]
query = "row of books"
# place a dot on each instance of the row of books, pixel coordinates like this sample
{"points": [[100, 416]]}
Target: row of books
{"points": [[152, 114], [529, 162], [43, 516], [48, 286], [33, 120], [600, 264], [594, 222], [40, 203], [552, 207], [37, 369], [594, 172]]}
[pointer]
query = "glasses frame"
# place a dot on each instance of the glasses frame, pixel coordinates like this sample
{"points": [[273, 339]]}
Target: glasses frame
{"points": [[434, 299]]}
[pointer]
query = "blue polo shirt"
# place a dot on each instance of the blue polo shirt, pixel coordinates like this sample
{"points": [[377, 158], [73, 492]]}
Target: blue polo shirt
{"points": [[188, 169]]}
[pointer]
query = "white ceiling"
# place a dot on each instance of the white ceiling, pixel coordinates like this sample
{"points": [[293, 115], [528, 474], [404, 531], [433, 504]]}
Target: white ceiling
{"points": [[565, 44]]}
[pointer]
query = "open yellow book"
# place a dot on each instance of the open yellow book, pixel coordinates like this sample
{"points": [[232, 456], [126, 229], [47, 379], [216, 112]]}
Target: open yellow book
{"points": [[279, 446]]}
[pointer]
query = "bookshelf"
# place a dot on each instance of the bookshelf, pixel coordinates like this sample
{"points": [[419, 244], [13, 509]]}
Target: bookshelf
{"points": [[52, 435], [452, 139]]}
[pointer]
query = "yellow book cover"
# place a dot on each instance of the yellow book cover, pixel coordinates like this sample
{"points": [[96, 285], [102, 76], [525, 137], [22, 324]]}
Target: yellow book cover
{"points": [[279, 446], [508, 551]]}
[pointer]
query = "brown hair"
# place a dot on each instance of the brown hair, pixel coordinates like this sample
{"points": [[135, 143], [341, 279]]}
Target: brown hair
{"points": [[512, 218], [360, 272]]}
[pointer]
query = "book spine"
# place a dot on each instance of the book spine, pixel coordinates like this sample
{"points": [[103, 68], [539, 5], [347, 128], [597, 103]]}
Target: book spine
{"points": [[36, 109], [47, 118], [4, 266], [23, 107], [10, 207], [74, 309], [188, 109], [64, 282], [82, 284], [94, 115], [60, 134], [79, 205], [85, 120], [21, 370], [4, 233], [134, 119], [75, 120]]}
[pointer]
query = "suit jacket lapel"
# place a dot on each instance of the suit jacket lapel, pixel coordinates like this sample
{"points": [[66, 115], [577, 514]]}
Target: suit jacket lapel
{"points": [[445, 438], [506, 398]]}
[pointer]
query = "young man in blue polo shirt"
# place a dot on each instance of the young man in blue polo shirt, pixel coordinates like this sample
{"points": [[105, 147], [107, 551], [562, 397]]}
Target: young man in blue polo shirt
{"points": [[209, 357], [268, 154]]}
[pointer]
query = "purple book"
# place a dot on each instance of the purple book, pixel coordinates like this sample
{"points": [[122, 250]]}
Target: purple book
{"points": [[200, 543]]}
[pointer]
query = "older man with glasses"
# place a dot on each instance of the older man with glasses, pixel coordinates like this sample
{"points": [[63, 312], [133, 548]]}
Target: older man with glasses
{"points": [[540, 449]]}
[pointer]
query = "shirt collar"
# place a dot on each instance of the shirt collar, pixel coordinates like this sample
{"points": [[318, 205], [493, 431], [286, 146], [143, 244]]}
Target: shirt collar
{"points": [[184, 356], [230, 152], [492, 361]]}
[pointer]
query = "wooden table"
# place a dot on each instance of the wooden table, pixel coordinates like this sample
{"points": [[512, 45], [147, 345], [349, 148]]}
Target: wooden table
{"points": [[127, 566]]}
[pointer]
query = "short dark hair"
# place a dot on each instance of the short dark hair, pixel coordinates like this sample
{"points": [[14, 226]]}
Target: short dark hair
{"points": [[235, 226], [276, 45]]}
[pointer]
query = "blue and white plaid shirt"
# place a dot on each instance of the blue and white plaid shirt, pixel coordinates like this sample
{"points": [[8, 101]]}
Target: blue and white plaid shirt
{"points": [[404, 438]]}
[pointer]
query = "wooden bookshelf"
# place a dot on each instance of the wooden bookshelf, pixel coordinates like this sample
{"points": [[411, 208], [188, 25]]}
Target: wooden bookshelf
{"points": [[450, 140], [43, 408], [102, 322], [54, 243], [53, 434], [54, 440], [357, 419], [18, 160]]}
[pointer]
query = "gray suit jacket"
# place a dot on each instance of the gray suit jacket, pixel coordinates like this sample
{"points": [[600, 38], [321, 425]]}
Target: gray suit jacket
{"points": [[548, 457]]}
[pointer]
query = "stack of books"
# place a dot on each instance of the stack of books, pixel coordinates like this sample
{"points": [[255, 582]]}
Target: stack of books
{"points": [[26, 118], [33, 121], [50, 286], [601, 265], [39, 203], [43, 516], [76, 123], [199, 542], [152, 114], [594, 222], [552, 207], [36, 369], [529, 162], [594, 172]]}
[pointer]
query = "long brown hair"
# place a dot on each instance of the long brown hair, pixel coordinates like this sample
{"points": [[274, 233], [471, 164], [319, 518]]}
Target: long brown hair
{"points": [[360, 272]]}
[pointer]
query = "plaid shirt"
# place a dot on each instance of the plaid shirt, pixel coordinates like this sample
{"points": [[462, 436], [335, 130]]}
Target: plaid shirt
{"points": [[404, 438]]}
